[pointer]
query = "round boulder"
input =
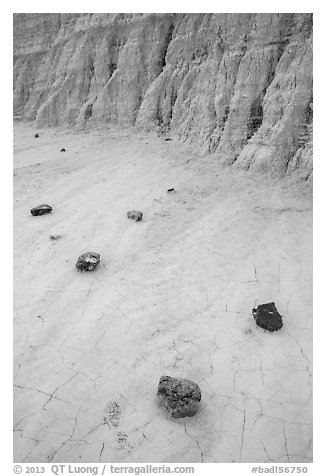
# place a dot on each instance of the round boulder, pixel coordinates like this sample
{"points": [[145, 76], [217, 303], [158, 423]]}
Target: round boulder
{"points": [[180, 396], [41, 210], [88, 261], [268, 317], [136, 215]]}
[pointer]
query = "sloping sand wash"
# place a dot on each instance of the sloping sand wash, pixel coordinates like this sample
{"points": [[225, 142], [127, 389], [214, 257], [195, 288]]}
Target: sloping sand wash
{"points": [[172, 296]]}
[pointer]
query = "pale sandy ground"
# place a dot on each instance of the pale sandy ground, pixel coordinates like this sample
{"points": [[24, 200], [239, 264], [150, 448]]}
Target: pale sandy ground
{"points": [[173, 296]]}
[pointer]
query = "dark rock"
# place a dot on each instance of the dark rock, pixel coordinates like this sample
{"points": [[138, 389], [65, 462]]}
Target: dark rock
{"points": [[181, 397], [267, 317], [135, 215], [54, 237], [168, 138], [36, 136], [170, 190], [88, 261], [63, 150], [41, 210]]}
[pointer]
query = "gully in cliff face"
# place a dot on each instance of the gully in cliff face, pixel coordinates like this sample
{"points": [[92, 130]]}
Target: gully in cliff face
{"points": [[185, 60]]}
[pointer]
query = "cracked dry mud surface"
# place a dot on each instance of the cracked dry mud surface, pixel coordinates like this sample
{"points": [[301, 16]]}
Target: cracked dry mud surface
{"points": [[172, 295]]}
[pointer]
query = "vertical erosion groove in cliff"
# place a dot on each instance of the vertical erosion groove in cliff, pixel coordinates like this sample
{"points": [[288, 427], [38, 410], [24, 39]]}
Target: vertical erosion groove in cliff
{"points": [[236, 85]]}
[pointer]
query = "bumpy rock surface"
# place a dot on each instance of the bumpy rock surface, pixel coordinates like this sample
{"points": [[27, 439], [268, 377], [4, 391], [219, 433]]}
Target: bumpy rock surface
{"points": [[41, 210], [268, 317], [88, 261], [236, 85], [136, 215], [180, 396]]}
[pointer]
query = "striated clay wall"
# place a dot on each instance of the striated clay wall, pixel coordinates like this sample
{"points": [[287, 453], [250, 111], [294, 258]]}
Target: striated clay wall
{"points": [[236, 85]]}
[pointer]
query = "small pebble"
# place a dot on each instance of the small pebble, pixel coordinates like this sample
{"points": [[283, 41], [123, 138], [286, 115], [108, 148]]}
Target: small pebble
{"points": [[136, 215], [88, 261], [41, 210]]}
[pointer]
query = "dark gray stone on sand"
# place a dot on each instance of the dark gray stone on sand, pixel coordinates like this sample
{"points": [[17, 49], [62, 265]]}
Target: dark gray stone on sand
{"points": [[268, 317], [180, 396], [41, 210], [88, 261], [136, 215]]}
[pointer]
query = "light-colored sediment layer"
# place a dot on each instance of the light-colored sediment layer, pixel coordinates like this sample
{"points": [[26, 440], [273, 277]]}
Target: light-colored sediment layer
{"points": [[237, 85], [173, 296]]}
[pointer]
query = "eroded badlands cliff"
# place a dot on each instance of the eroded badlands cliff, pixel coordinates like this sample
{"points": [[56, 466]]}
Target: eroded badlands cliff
{"points": [[237, 85]]}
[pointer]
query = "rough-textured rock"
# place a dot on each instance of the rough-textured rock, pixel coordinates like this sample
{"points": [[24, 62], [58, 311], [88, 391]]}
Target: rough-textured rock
{"points": [[88, 261], [136, 215], [41, 210], [180, 396], [236, 85], [268, 317]]}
